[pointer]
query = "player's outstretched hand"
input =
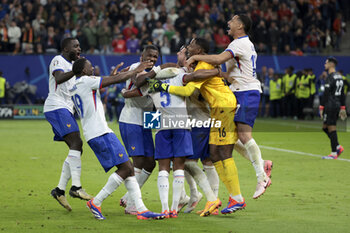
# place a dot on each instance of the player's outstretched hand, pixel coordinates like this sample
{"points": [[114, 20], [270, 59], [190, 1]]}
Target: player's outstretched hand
{"points": [[143, 66], [157, 86], [342, 114], [115, 70]]}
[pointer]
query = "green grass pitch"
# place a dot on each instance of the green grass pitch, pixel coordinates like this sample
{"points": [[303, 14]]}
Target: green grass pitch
{"points": [[308, 194]]}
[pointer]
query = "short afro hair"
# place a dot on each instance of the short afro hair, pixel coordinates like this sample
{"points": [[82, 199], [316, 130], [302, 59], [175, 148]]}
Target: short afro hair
{"points": [[78, 66]]}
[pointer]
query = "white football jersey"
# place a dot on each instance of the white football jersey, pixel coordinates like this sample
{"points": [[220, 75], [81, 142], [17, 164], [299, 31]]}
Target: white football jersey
{"points": [[172, 107], [242, 65], [87, 100], [132, 112], [59, 93]]}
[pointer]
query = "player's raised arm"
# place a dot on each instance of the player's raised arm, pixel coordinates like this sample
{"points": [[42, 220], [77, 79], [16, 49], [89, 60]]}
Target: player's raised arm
{"points": [[201, 74], [214, 59], [123, 76], [141, 79]]}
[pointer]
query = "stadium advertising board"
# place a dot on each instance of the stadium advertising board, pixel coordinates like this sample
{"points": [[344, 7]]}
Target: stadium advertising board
{"points": [[22, 112], [28, 112], [6, 112]]}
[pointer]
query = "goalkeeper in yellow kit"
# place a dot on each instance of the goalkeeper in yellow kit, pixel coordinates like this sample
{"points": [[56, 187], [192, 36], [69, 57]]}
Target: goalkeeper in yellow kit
{"points": [[222, 104]]}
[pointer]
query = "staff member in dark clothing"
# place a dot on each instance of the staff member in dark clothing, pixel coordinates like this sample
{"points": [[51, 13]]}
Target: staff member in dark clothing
{"points": [[333, 105]]}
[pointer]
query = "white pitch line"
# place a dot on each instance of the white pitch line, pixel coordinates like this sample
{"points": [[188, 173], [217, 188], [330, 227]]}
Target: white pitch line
{"points": [[298, 152]]}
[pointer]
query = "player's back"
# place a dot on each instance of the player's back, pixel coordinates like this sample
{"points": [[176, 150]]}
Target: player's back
{"points": [[172, 107], [132, 112], [335, 85], [214, 90], [59, 96], [86, 97]]}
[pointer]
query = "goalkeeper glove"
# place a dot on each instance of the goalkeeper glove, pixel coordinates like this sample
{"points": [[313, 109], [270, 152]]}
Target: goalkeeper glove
{"points": [[157, 86], [342, 113]]}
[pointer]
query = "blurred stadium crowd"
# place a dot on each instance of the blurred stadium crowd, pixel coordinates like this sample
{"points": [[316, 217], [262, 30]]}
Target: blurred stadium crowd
{"points": [[125, 26]]}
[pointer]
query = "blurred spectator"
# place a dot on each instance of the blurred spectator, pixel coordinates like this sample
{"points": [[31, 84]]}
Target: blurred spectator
{"points": [[279, 26], [172, 15], [27, 39], [221, 40], [140, 11], [119, 44], [133, 44], [14, 34], [104, 37], [4, 39], [52, 41], [90, 31], [275, 96], [130, 29], [158, 34]]}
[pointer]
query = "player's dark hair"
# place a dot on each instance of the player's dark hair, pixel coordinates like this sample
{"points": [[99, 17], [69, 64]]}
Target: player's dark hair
{"points": [[66, 41], [203, 43], [247, 22], [150, 47], [333, 60], [78, 66]]}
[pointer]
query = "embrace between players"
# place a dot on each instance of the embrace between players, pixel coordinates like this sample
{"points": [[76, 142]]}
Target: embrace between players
{"points": [[208, 95]]}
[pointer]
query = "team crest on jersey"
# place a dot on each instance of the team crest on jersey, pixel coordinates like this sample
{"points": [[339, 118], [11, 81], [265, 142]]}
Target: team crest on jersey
{"points": [[133, 148], [69, 125], [120, 155], [151, 120]]}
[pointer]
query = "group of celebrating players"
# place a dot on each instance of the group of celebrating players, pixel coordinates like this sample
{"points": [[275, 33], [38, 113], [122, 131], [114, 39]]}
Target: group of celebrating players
{"points": [[198, 89]]}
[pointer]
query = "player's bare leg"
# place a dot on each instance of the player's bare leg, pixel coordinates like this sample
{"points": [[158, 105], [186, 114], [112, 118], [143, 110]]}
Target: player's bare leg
{"points": [[247, 147]]}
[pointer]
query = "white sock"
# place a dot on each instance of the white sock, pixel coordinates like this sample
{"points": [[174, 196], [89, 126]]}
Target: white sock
{"points": [[213, 178], [129, 201], [255, 157], [65, 175], [135, 193], [112, 184], [163, 188], [193, 185], [141, 177], [178, 185], [238, 198], [240, 148], [201, 179], [74, 161]]}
